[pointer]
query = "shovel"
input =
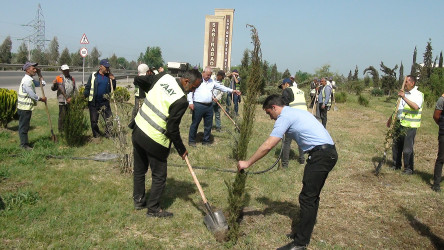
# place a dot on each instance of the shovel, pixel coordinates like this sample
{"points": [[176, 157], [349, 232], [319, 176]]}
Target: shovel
{"points": [[53, 136], [215, 221]]}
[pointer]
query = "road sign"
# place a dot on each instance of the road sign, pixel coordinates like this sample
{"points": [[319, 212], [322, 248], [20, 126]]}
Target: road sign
{"points": [[84, 40], [83, 52]]}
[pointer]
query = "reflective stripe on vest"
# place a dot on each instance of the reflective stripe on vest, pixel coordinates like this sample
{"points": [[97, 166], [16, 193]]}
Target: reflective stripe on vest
{"points": [[299, 99], [91, 90], [323, 96], [153, 115], [24, 101]]}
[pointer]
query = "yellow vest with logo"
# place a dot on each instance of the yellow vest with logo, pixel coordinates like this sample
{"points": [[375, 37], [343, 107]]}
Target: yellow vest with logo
{"points": [[299, 99], [24, 101], [153, 115], [410, 118], [323, 96]]}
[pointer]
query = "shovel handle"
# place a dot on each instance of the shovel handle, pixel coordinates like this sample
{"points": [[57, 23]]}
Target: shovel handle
{"points": [[196, 181], [53, 137], [225, 112]]}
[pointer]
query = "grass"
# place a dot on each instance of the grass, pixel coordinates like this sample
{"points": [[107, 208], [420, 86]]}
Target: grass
{"points": [[88, 204]]}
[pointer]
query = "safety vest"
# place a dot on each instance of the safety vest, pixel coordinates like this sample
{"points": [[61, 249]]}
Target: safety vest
{"points": [[24, 101], [91, 90], [153, 115], [299, 99], [323, 96], [410, 118]]}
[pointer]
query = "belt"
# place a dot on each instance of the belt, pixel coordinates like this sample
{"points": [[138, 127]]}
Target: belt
{"points": [[321, 147], [206, 104]]}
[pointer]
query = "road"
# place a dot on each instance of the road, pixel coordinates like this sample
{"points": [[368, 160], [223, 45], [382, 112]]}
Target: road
{"points": [[11, 80]]}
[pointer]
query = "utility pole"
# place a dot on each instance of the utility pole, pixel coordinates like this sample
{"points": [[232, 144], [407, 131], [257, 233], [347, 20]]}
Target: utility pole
{"points": [[37, 38]]}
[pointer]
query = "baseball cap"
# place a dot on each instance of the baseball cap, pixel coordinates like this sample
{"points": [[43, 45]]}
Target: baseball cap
{"points": [[286, 80], [29, 64], [142, 69], [105, 63], [235, 70], [64, 67]]}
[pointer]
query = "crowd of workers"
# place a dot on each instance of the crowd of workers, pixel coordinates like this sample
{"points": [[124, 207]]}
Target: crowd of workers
{"points": [[161, 101]]}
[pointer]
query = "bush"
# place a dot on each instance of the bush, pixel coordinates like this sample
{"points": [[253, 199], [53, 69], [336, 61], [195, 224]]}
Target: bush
{"points": [[377, 92], [85, 100], [8, 106], [341, 97], [75, 124], [363, 101], [121, 94]]}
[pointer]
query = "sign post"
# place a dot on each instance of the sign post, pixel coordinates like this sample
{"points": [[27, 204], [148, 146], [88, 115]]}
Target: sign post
{"points": [[84, 53]]}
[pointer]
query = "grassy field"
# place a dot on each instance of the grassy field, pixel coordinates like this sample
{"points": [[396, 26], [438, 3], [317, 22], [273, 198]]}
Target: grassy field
{"points": [[66, 203]]}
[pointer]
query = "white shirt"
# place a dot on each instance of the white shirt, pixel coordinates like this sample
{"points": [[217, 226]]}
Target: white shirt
{"points": [[204, 93]]}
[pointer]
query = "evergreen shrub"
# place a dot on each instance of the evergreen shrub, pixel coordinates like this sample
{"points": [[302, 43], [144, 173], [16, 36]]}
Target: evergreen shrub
{"points": [[363, 101], [341, 97], [76, 123]]}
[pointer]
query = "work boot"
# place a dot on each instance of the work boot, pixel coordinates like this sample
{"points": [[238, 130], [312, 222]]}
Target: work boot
{"points": [[139, 206], [160, 214], [26, 147], [395, 168], [292, 246], [407, 171], [436, 188]]}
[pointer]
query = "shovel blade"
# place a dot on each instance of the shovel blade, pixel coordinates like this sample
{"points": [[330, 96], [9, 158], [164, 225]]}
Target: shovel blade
{"points": [[219, 222]]}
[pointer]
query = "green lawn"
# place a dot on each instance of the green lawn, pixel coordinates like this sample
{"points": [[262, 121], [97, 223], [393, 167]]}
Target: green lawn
{"points": [[65, 203]]}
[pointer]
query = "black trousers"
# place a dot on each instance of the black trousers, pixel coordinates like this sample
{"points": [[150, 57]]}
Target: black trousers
{"points": [[63, 110], [319, 164], [403, 146], [323, 114], [437, 174], [105, 110], [24, 123], [142, 159]]}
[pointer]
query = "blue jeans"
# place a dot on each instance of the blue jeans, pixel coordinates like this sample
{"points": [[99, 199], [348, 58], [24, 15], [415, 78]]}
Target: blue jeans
{"points": [[205, 112], [216, 110], [235, 101]]}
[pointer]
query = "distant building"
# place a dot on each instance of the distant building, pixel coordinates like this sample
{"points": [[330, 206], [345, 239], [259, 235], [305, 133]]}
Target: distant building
{"points": [[218, 37]]}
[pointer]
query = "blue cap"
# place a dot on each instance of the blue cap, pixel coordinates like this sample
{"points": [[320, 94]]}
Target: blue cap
{"points": [[29, 64], [235, 70], [105, 63], [286, 80]]}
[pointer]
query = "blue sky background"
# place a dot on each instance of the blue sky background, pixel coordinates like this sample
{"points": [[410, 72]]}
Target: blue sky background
{"points": [[298, 35]]}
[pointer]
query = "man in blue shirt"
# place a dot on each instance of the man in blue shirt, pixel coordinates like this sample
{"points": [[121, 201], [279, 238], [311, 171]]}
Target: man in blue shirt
{"points": [[99, 84], [314, 139]]}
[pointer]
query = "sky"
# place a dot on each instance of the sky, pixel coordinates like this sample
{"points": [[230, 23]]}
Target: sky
{"points": [[296, 35]]}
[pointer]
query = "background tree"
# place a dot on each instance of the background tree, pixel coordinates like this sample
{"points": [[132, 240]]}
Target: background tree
{"points": [[440, 60], [324, 71], [93, 60], [113, 61], [286, 74], [122, 63], [367, 81], [53, 51], [274, 74], [22, 54], [350, 76], [401, 75], [153, 57], [426, 70], [5, 50], [265, 73], [77, 59], [301, 77], [243, 70], [355, 75], [39, 57], [375, 75], [65, 57], [132, 65], [414, 70], [388, 81]]}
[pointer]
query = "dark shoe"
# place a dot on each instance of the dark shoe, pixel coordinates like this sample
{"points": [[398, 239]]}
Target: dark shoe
{"points": [[160, 214], [301, 161], [218, 129], [407, 171], [436, 188], [26, 147], [140, 206], [395, 168], [292, 246], [291, 236], [192, 144], [206, 143]]}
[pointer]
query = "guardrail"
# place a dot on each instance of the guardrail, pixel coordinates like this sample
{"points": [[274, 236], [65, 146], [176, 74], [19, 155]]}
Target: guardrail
{"points": [[72, 68]]}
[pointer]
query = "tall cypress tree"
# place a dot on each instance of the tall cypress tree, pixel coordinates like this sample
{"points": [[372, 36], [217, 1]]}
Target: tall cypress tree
{"points": [[413, 70], [5, 50], [355, 75], [401, 74], [440, 60]]}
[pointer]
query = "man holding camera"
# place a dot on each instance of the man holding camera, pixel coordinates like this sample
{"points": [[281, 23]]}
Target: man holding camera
{"points": [[234, 85]]}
